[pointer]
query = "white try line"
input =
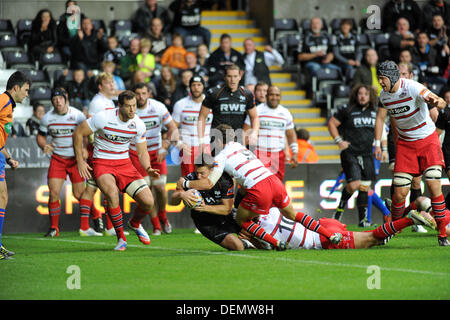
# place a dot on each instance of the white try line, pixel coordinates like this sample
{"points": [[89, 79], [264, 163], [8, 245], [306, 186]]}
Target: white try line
{"points": [[240, 255]]}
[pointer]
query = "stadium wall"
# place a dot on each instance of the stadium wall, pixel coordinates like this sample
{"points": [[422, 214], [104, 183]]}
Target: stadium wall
{"points": [[308, 186]]}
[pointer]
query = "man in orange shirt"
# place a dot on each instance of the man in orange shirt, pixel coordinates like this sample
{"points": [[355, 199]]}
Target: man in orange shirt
{"points": [[16, 90]]}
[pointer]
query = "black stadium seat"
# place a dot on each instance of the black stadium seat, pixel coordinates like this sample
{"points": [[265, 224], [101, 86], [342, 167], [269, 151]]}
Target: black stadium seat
{"points": [[17, 59], [191, 42], [51, 61], [288, 46], [41, 95], [336, 22], [120, 28], [38, 77], [323, 81], [8, 42], [98, 23], [23, 30], [282, 27], [6, 26]]}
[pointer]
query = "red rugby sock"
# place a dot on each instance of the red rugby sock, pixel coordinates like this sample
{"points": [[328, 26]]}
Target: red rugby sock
{"points": [[117, 220], [312, 224], [85, 208], [156, 223], [54, 209], [139, 214], [391, 228], [259, 232]]}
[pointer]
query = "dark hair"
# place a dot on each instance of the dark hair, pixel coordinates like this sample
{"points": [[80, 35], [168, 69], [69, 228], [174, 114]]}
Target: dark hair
{"points": [[139, 85], [36, 105], [346, 21], [177, 35], [204, 160], [126, 95], [17, 78], [354, 95], [226, 133], [302, 134], [37, 21], [224, 35], [261, 83]]}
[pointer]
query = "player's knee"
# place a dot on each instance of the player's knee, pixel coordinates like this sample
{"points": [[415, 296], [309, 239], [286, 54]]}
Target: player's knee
{"points": [[365, 185], [160, 184], [136, 187], [53, 195], [433, 173], [232, 243], [353, 186], [402, 180], [3, 198]]}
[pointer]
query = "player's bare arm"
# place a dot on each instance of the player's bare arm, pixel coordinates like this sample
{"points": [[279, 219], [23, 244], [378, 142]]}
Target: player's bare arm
{"points": [[292, 142], [254, 120], [333, 125], [220, 209], [81, 131], [201, 124], [144, 159], [435, 101], [181, 195], [379, 126], [41, 141], [14, 164]]}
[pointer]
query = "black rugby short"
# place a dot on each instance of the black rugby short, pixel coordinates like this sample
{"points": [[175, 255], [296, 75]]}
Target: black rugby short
{"points": [[357, 167]]}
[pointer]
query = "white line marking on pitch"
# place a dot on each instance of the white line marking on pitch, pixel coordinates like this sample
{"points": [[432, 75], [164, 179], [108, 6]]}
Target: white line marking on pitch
{"points": [[234, 254]]}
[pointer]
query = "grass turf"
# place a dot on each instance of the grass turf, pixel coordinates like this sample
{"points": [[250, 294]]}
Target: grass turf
{"points": [[184, 265]]}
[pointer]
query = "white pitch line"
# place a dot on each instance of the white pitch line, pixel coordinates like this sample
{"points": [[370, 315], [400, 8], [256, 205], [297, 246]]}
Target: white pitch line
{"points": [[235, 254]]}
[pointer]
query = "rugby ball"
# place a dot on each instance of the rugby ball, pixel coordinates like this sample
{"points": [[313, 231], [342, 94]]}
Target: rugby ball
{"points": [[198, 201]]}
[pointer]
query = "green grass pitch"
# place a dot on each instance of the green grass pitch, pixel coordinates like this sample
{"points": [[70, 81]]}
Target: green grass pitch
{"points": [[184, 265]]}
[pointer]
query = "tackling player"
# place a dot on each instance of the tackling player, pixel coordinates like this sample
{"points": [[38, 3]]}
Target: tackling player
{"points": [[155, 115], [418, 148], [60, 123], [17, 88], [263, 189], [112, 168]]}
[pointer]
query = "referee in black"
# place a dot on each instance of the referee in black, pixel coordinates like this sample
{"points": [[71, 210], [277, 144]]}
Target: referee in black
{"points": [[230, 103], [357, 124]]}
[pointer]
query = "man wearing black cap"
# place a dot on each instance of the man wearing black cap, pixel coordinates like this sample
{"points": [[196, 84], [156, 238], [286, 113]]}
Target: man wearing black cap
{"points": [[418, 147], [59, 123]]}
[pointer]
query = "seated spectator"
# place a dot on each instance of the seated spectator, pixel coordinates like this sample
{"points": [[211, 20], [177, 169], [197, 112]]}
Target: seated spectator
{"points": [[77, 89], [367, 73], [32, 125], [144, 15], [202, 55], [187, 19], [139, 77], [406, 57], [88, 47], [69, 23], [395, 9], [257, 63], [182, 90], [166, 86], [174, 56], [43, 35], [401, 39], [315, 52], [114, 53], [109, 67], [346, 50], [260, 92], [222, 57], [425, 57], [435, 7], [158, 39], [128, 62], [145, 61], [194, 67], [306, 151]]}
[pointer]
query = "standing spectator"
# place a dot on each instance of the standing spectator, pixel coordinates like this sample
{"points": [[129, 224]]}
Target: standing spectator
{"points": [[78, 88], [435, 7], [43, 34], [158, 39], [401, 39], [114, 53], [182, 89], [187, 19], [202, 55], [395, 9], [174, 56], [88, 47], [145, 14], [306, 151], [222, 57], [32, 124], [257, 63], [346, 50], [316, 51], [439, 35], [69, 23], [145, 61], [261, 92], [128, 62], [406, 57], [425, 57], [192, 65], [166, 86], [367, 72]]}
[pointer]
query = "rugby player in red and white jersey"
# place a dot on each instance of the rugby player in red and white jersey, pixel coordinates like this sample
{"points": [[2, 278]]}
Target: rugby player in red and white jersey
{"points": [[100, 102], [418, 150], [155, 115], [59, 124], [111, 166], [185, 114], [263, 188], [275, 125]]}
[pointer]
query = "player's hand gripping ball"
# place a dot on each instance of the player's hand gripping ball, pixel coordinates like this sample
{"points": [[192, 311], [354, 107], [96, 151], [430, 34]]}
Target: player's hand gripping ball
{"points": [[194, 200]]}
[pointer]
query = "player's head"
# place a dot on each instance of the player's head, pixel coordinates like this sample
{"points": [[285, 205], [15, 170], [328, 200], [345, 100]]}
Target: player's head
{"points": [[232, 76], [388, 74], [223, 134], [142, 94], [363, 95], [204, 164], [127, 105], [59, 100], [196, 85], [273, 97], [18, 86], [105, 84]]}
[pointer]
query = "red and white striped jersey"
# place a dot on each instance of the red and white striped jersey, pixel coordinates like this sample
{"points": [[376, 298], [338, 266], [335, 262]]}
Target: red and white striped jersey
{"points": [[113, 136], [409, 110], [273, 125], [185, 112], [100, 103], [61, 128], [241, 164], [154, 116], [293, 233]]}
